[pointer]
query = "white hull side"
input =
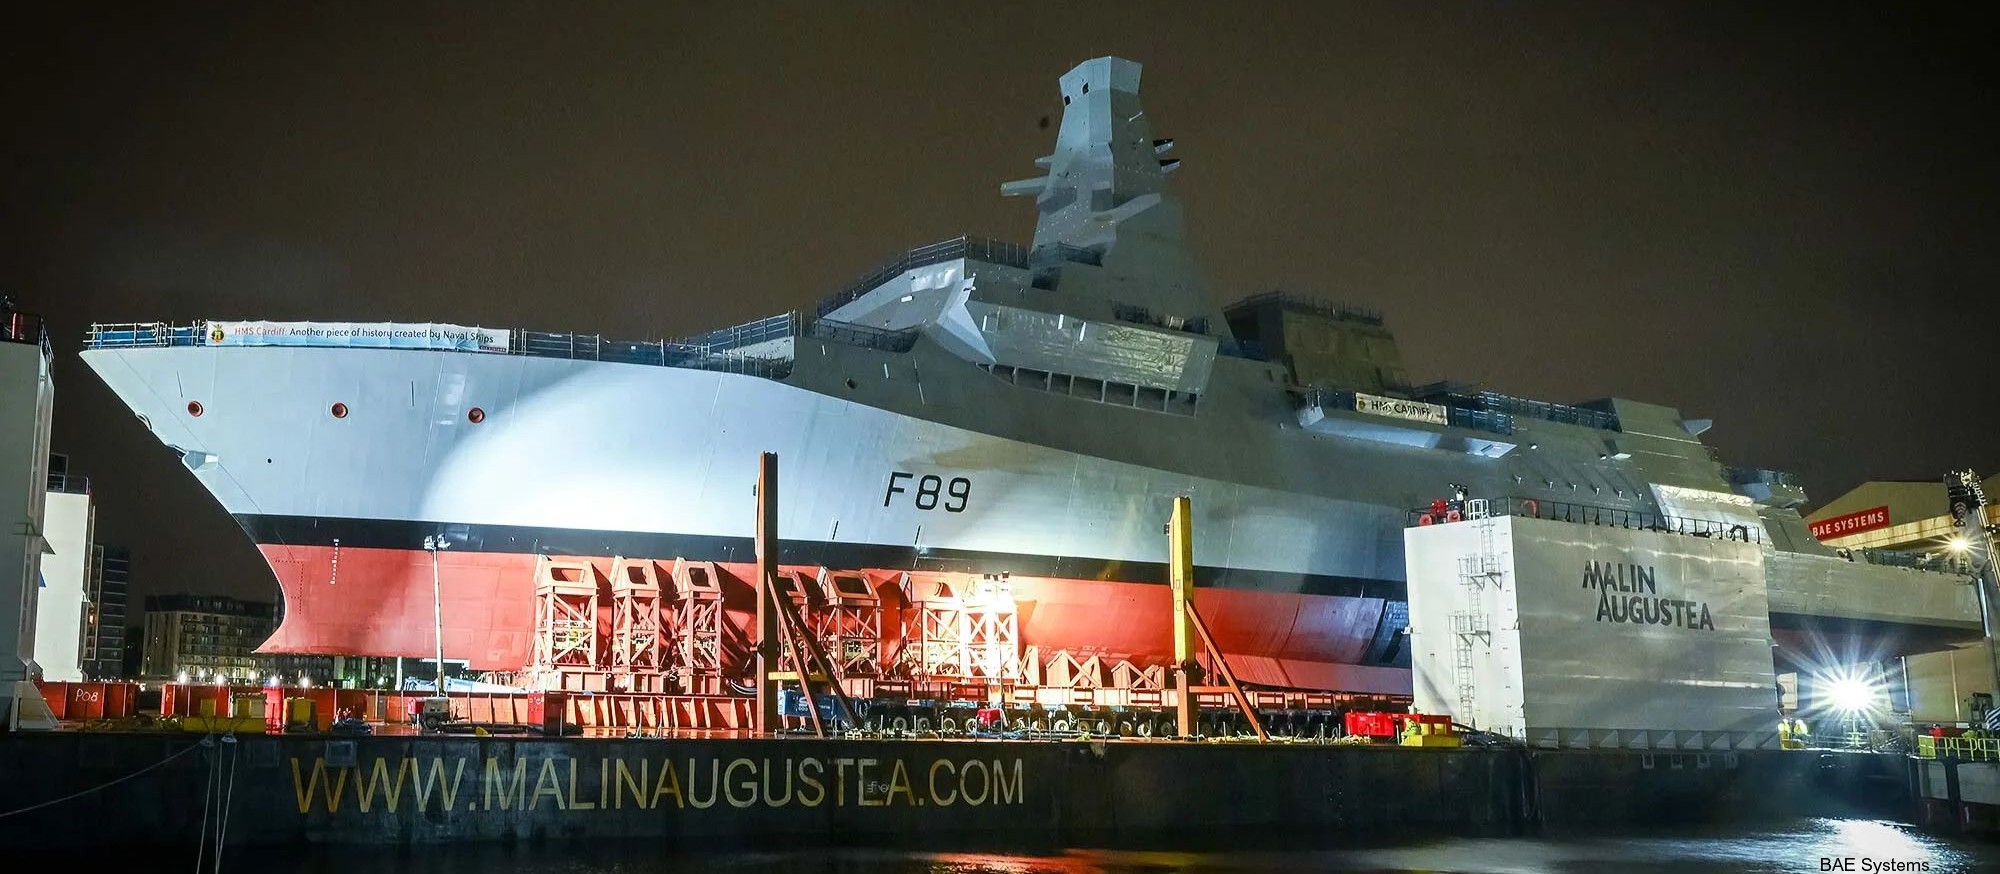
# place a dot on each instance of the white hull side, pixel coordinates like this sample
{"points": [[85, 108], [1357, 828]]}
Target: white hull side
{"points": [[589, 445]]}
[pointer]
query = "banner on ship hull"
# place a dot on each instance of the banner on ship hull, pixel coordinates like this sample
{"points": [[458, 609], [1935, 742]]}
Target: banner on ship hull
{"points": [[373, 335], [1397, 408]]}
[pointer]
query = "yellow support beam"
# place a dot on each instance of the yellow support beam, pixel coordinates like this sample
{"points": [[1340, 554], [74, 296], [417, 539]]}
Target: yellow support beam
{"points": [[1180, 545], [1191, 632]]}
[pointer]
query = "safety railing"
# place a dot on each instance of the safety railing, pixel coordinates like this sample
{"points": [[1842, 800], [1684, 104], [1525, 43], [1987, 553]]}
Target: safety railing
{"points": [[720, 350], [659, 353], [762, 330], [1747, 475], [1460, 417], [25, 328], [1942, 562], [1288, 300], [1057, 254], [975, 248], [862, 335], [1139, 315], [1583, 514], [129, 335], [1547, 411], [68, 484], [1457, 394], [1964, 749]]}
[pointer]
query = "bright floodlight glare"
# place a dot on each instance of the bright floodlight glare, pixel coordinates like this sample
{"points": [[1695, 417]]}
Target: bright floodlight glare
{"points": [[1958, 544], [1851, 694]]}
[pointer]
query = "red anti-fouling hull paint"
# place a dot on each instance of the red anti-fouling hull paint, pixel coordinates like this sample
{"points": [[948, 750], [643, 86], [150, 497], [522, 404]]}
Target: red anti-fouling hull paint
{"points": [[377, 602]]}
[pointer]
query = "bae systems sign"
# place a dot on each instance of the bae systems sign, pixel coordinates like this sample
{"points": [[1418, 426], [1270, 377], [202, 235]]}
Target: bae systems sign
{"points": [[1630, 593], [1852, 523]]}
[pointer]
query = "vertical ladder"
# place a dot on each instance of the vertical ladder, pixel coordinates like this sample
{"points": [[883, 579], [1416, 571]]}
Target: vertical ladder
{"points": [[1472, 626]]}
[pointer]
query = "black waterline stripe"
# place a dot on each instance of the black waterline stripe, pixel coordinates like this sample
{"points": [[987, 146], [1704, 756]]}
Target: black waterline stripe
{"points": [[410, 534]]}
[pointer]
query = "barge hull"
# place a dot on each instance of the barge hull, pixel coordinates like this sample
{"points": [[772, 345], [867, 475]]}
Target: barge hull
{"points": [[701, 792]]}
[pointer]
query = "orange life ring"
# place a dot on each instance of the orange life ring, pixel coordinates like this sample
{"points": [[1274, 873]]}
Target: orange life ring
{"points": [[1425, 519], [1453, 516], [1529, 507]]}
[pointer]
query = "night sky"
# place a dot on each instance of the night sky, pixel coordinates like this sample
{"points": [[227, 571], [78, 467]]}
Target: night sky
{"points": [[1782, 220]]}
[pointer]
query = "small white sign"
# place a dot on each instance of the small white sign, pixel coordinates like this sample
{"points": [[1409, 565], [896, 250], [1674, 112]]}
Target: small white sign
{"points": [[378, 335], [1415, 411]]}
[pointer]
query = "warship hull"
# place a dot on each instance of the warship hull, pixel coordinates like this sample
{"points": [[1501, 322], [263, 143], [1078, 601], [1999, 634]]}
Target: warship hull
{"points": [[338, 463], [1025, 413]]}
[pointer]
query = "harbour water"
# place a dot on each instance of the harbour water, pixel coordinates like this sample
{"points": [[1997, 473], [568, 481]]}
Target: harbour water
{"points": [[1857, 845]]}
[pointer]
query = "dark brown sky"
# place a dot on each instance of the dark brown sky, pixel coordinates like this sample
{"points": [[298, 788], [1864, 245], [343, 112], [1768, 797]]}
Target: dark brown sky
{"points": [[1780, 219]]}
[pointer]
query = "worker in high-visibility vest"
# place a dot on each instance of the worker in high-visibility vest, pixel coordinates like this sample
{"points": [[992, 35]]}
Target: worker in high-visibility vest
{"points": [[1791, 732]]}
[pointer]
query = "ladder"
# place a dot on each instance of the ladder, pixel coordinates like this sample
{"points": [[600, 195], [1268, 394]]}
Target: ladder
{"points": [[1473, 626]]}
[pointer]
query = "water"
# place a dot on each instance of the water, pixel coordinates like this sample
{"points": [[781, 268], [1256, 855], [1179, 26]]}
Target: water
{"points": [[1868, 846]]}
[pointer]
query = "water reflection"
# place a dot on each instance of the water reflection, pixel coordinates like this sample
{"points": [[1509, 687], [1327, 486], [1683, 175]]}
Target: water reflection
{"points": [[1798, 847]]}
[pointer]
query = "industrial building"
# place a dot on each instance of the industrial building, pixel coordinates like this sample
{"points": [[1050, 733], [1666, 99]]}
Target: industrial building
{"points": [[104, 626], [1908, 519], [203, 637], [346, 672]]}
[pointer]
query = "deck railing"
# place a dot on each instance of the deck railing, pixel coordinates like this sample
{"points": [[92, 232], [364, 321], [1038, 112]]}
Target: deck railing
{"points": [[1964, 749], [1588, 514], [27, 328], [975, 248], [729, 350], [68, 483], [135, 335], [1747, 475], [1330, 309], [1457, 394], [1458, 417]]}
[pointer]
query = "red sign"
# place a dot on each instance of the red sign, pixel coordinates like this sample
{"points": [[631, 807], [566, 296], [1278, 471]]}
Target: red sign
{"points": [[1852, 523]]}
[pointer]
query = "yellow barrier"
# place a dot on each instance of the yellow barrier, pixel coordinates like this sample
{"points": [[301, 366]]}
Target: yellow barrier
{"points": [[1965, 749]]}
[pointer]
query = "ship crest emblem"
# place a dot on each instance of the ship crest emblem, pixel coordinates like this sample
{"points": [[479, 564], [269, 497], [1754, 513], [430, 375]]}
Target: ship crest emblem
{"points": [[215, 334]]}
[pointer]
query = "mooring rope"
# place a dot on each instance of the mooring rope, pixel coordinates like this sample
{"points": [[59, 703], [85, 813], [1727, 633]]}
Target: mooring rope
{"points": [[207, 796], [228, 802], [101, 786]]}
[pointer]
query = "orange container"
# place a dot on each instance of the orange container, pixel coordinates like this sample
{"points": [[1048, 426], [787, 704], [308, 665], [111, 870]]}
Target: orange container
{"points": [[86, 701], [121, 700], [274, 708], [56, 695], [546, 711]]}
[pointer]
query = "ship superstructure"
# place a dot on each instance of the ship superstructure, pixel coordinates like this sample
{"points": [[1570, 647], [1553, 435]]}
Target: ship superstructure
{"points": [[1000, 419]]}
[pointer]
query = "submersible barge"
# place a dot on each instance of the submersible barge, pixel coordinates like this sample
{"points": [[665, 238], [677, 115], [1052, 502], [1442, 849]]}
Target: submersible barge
{"points": [[695, 793]]}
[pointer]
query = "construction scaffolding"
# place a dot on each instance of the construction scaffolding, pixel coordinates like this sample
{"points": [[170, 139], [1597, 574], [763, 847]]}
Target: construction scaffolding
{"points": [[695, 656], [638, 629], [566, 651]]}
